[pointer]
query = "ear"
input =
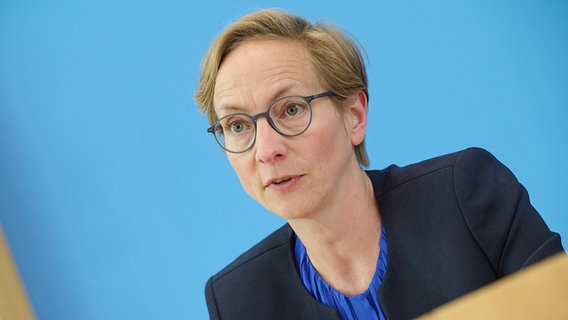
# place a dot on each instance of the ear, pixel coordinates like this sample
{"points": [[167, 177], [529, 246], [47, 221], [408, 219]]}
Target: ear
{"points": [[356, 118]]}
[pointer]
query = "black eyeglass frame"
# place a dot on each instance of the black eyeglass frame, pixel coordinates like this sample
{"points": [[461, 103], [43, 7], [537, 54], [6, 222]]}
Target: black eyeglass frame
{"points": [[266, 114]]}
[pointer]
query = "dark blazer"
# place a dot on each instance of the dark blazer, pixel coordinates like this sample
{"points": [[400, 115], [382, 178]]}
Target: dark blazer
{"points": [[453, 224]]}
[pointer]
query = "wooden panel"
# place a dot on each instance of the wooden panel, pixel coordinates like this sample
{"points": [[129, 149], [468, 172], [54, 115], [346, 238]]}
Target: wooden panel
{"points": [[14, 303]]}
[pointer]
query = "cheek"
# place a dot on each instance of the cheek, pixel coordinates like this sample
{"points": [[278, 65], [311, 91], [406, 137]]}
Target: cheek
{"points": [[239, 166], [332, 147], [333, 138], [244, 171]]}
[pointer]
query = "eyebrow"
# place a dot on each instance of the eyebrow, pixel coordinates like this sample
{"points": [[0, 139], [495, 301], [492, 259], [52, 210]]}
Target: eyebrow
{"points": [[231, 109], [278, 95]]}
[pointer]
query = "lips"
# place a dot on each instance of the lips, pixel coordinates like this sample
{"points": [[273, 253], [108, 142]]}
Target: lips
{"points": [[280, 182]]}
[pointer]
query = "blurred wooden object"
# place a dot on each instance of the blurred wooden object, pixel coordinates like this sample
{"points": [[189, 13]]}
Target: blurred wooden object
{"points": [[538, 292], [14, 304]]}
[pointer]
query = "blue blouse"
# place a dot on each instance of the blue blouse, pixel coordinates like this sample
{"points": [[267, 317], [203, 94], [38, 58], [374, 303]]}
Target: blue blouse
{"points": [[362, 306]]}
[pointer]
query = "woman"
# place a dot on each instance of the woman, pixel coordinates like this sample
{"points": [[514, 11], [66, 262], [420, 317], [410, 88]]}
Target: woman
{"points": [[287, 101]]}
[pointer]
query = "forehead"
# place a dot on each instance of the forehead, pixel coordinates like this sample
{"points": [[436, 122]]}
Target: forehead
{"points": [[263, 70]]}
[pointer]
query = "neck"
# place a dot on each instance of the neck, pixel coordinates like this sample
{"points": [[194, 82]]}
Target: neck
{"points": [[342, 241]]}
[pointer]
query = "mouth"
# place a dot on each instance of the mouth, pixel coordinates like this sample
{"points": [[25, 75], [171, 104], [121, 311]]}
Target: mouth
{"points": [[282, 181]]}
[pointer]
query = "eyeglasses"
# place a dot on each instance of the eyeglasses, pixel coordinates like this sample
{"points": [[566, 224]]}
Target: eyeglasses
{"points": [[289, 116]]}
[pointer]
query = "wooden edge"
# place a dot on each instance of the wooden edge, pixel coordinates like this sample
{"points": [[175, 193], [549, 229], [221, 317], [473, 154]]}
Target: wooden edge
{"points": [[14, 303]]}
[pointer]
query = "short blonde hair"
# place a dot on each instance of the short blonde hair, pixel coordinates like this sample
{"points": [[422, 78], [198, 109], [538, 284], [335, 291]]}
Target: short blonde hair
{"points": [[336, 58]]}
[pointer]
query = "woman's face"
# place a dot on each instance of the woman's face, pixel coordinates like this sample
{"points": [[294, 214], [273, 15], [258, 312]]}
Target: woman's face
{"points": [[294, 177]]}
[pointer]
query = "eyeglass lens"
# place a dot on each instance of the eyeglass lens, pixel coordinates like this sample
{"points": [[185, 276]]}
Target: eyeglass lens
{"points": [[289, 116]]}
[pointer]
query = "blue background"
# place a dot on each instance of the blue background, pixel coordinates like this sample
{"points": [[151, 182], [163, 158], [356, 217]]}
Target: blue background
{"points": [[117, 203]]}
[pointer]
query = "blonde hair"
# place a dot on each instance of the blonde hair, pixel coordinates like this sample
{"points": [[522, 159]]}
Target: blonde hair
{"points": [[336, 58]]}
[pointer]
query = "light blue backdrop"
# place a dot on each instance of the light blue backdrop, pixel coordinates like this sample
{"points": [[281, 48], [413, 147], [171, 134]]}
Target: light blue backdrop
{"points": [[117, 203]]}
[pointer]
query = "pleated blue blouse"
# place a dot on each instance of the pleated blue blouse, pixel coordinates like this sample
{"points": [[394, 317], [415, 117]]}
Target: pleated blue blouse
{"points": [[362, 306]]}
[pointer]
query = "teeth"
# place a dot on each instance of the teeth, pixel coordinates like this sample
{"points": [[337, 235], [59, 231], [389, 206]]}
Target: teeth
{"points": [[280, 181]]}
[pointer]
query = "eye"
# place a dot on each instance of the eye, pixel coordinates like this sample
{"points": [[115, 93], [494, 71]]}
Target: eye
{"points": [[293, 110], [236, 125]]}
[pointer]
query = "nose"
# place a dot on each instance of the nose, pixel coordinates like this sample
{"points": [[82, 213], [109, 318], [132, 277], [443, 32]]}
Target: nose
{"points": [[269, 145]]}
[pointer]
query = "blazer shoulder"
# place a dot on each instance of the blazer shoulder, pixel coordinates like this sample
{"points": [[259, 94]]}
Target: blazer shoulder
{"points": [[278, 239], [394, 176]]}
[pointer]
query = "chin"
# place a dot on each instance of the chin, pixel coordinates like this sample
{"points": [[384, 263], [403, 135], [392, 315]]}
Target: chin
{"points": [[290, 213], [288, 207]]}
